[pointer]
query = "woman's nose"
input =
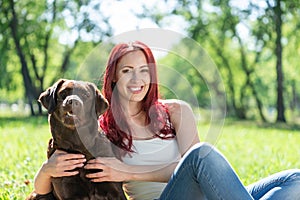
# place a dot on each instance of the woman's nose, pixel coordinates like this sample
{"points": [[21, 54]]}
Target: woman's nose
{"points": [[135, 75]]}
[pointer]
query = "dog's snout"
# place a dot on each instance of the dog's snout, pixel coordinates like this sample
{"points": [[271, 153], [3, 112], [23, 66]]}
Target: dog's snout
{"points": [[73, 100]]}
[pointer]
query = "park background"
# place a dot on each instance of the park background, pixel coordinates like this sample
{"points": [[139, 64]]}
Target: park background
{"points": [[254, 44]]}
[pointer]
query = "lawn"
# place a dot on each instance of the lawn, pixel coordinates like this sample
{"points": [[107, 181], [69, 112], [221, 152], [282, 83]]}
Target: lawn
{"points": [[255, 150]]}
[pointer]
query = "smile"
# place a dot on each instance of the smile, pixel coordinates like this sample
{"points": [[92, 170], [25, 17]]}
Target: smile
{"points": [[135, 89]]}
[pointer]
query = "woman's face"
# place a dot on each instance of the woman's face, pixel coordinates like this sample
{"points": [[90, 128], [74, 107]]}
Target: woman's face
{"points": [[132, 77]]}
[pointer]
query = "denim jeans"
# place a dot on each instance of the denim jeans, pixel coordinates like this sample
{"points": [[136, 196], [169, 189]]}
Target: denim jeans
{"points": [[204, 173]]}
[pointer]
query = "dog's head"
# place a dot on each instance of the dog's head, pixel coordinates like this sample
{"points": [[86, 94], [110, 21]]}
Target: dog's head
{"points": [[73, 102]]}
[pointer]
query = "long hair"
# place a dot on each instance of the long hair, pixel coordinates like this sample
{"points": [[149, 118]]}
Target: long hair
{"points": [[113, 121]]}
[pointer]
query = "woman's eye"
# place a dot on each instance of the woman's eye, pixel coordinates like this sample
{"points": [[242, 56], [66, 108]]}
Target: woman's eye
{"points": [[125, 71], [145, 70]]}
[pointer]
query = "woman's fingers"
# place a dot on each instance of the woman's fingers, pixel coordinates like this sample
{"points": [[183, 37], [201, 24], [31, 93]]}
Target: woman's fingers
{"points": [[97, 176], [62, 163], [95, 166], [111, 169]]}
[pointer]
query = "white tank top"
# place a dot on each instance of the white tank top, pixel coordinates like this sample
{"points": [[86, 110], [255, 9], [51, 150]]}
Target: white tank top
{"points": [[154, 151]]}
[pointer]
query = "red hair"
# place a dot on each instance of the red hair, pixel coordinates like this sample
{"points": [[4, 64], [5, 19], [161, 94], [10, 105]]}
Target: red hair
{"points": [[113, 121]]}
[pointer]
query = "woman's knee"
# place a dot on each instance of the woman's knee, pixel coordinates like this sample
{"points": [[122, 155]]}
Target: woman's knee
{"points": [[202, 150], [293, 175]]}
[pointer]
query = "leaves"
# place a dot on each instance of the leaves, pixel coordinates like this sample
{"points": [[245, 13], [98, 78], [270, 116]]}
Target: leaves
{"points": [[43, 36]]}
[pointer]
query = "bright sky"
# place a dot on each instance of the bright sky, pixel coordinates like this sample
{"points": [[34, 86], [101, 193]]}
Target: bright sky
{"points": [[122, 17]]}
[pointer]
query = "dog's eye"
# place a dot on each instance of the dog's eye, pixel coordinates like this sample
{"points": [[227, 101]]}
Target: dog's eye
{"points": [[86, 95], [82, 94], [62, 95]]}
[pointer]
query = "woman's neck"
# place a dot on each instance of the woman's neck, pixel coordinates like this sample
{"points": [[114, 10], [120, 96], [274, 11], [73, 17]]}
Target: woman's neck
{"points": [[132, 109], [136, 119]]}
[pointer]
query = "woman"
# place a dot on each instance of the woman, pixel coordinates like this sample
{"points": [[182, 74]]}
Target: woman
{"points": [[158, 143]]}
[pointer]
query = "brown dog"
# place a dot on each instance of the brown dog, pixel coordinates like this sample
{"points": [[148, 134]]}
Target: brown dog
{"points": [[73, 108]]}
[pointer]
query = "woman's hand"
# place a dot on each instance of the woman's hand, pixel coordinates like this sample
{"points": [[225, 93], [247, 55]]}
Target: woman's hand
{"points": [[62, 163], [112, 170], [57, 165]]}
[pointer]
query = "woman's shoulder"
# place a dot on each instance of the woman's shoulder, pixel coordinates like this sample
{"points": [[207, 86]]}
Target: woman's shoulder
{"points": [[176, 108], [174, 103]]}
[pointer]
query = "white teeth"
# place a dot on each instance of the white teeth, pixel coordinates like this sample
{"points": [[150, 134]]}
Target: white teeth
{"points": [[70, 114], [134, 89]]}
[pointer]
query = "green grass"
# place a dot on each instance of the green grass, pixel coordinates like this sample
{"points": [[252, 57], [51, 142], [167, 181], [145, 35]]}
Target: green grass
{"points": [[254, 150], [257, 150], [23, 149]]}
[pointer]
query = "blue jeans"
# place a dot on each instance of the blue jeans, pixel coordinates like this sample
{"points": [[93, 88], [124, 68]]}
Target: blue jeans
{"points": [[204, 173]]}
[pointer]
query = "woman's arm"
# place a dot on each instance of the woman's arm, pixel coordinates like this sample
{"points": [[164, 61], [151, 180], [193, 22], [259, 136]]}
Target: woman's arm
{"points": [[117, 171], [56, 166], [183, 120]]}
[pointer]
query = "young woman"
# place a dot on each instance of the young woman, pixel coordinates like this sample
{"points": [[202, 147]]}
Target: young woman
{"points": [[161, 156]]}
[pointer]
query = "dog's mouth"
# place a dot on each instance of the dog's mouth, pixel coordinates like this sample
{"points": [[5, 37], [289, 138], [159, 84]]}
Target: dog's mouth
{"points": [[71, 119], [70, 114]]}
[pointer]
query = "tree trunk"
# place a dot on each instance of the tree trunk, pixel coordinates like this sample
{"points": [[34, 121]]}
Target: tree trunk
{"points": [[239, 110], [248, 73], [29, 88], [278, 52]]}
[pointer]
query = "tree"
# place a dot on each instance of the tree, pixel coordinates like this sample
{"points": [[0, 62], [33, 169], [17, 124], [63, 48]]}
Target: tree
{"points": [[34, 31], [216, 30], [245, 60], [278, 51], [275, 12]]}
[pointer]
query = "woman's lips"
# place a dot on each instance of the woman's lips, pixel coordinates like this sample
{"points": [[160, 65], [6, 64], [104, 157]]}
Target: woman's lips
{"points": [[135, 89]]}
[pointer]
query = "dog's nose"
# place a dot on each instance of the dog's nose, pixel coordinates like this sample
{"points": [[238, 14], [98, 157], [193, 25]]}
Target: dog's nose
{"points": [[74, 101]]}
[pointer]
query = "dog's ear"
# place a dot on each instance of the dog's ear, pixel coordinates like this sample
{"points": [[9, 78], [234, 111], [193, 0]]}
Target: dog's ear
{"points": [[101, 103], [48, 98]]}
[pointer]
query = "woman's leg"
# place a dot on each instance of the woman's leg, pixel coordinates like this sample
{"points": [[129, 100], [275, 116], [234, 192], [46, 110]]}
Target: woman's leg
{"points": [[204, 173], [284, 185]]}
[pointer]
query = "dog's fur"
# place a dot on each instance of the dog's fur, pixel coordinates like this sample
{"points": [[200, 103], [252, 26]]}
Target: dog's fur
{"points": [[73, 108]]}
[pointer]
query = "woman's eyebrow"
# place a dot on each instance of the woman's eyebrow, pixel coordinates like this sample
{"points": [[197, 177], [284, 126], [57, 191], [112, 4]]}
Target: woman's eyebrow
{"points": [[129, 66], [144, 66], [126, 65]]}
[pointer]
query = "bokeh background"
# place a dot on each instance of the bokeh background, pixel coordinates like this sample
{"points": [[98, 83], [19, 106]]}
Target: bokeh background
{"points": [[250, 48]]}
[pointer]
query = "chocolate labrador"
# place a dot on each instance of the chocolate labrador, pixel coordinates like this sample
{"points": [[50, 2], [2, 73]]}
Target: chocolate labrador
{"points": [[73, 108]]}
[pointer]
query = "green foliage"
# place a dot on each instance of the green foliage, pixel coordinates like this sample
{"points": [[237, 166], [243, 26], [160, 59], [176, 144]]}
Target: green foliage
{"points": [[37, 42], [92, 67], [188, 84], [56, 37], [240, 38]]}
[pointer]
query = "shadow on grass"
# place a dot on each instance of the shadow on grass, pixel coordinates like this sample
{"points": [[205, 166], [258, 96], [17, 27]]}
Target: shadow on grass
{"points": [[293, 127], [280, 126], [15, 120]]}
